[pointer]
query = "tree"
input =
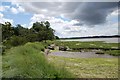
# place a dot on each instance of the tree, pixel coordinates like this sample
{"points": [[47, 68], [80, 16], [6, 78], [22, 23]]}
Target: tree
{"points": [[43, 30], [20, 31], [7, 31], [56, 37]]}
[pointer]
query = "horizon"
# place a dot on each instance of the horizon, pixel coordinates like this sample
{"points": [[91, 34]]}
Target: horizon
{"points": [[69, 19], [100, 36]]}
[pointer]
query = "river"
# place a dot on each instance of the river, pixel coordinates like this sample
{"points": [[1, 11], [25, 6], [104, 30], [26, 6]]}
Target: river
{"points": [[81, 54], [106, 40]]}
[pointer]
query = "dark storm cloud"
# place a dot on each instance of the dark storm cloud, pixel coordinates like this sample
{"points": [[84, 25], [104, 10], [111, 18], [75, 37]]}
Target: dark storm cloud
{"points": [[93, 13]]}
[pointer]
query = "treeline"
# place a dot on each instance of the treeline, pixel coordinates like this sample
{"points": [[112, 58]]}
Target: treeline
{"points": [[113, 36], [18, 35]]}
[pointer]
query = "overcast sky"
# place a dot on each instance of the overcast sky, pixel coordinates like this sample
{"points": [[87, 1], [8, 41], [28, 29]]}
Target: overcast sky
{"points": [[68, 19]]}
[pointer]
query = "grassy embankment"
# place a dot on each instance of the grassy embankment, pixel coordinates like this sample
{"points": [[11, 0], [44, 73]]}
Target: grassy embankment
{"points": [[28, 61], [76, 45]]}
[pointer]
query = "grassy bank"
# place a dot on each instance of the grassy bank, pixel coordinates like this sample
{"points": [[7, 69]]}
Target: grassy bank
{"points": [[88, 67], [28, 61]]}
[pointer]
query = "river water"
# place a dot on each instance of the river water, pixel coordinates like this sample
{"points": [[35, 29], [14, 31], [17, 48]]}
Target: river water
{"points": [[81, 54], [87, 54], [106, 40]]}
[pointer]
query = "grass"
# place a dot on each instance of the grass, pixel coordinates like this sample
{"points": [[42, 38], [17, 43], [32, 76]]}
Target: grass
{"points": [[88, 67], [113, 52], [92, 44], [28, 61]]}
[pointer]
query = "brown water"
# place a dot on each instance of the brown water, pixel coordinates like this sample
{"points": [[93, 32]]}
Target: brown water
{"points": [[81, 54]]}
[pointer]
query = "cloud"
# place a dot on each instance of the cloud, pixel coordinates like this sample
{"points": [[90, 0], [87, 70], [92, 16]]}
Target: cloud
{"points": [[94, 13], [3, 20], [107, 29], [115, 13], [14, 10], [90, 13], [1, 15], [17, 10], [3, 8]]}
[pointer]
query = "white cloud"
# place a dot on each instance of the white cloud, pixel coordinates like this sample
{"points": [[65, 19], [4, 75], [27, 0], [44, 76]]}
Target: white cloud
{"points": [[14, 10], [3, 8], [3, 20], [108, 29], [17, 9], [21, 9], [1, 15], [115, 13]]}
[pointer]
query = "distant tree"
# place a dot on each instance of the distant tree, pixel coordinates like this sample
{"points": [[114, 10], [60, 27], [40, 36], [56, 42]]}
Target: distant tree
{"points": [[7, 30], [56, 37]]}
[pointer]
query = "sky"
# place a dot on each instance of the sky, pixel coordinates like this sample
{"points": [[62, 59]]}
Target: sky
{"points": [[68, 19]]}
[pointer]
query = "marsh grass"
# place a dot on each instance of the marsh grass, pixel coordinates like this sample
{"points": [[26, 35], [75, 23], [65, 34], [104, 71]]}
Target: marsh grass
{"points": [[88, 67], [92, 44], [113, 52], [28, 61]]}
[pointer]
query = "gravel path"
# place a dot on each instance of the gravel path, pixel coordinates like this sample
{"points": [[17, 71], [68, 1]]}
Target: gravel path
{"points": [[81, 54]]}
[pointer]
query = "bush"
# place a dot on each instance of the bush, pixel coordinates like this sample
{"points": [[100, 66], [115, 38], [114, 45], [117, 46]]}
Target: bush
{"points": [[14, 41], [113, 52]]}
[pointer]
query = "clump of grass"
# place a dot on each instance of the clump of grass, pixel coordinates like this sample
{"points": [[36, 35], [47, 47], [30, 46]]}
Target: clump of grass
{"points": [[113, 52], [28, 61]]}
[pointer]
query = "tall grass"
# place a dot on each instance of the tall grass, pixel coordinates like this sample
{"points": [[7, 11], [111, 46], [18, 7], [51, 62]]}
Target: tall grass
{"points": [[92, 44], [28, 61]]}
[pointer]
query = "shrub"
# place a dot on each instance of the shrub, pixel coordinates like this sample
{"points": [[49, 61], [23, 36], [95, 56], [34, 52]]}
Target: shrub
{"points": [[15, 41]]}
